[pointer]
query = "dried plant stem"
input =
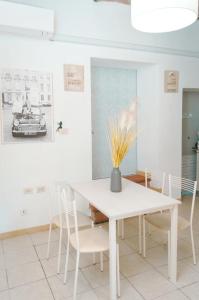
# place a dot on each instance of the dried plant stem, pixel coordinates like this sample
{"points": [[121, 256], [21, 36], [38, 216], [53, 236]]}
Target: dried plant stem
{"points": [[120, 140]]}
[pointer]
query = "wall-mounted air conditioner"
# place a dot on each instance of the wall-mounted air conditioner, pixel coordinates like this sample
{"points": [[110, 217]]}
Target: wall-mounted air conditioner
{"points": [[26, 20]]}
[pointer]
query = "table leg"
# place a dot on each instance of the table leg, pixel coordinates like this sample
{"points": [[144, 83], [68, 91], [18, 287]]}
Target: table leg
{"points": [[112, 259], [174, 239]]}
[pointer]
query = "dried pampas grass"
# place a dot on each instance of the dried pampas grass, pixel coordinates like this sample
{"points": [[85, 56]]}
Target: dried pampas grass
{"points": [[122, 134]]}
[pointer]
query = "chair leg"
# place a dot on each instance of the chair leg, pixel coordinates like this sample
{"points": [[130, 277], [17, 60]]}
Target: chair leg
{"points": [[101, 262], [49, 238], [149, 228], [94, 256], [122, 225], [144, 236], [94, 259], [76, 276], [59, 251], [118, 271], [66, 263], [169, 253], [140, 234], [118, 228], [193, 245]]}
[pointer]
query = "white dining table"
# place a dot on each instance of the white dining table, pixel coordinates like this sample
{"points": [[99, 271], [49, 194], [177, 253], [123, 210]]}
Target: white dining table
{"points": [[133, 200]]}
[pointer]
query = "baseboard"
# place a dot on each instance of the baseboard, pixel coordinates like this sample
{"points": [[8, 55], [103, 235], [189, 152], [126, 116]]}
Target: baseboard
{"points": [[15, 233]]}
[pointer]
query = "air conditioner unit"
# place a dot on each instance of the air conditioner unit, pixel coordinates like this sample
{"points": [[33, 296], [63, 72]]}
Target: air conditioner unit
{"points": [[26, 20]]}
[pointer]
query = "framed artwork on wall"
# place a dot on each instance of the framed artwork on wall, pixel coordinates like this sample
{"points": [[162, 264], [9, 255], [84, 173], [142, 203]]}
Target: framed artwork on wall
{"points": [[171, 81], [74, 78], [26, 106]]}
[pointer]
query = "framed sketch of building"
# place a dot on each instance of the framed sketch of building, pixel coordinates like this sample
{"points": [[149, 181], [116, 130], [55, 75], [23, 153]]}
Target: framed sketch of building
{"points": [[26, 106]]}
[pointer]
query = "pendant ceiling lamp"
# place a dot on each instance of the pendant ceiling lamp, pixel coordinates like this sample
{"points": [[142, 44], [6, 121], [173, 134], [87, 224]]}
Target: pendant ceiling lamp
{"points": [[163, 15]]}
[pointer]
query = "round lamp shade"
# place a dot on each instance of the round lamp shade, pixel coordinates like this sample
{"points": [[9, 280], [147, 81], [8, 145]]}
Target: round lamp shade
{"points": [[163, 15]]}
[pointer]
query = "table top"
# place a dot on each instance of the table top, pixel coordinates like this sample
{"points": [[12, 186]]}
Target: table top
{"points": [[132, 201]]}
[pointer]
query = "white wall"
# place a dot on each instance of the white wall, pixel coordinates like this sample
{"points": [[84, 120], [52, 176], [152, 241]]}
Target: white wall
{"points": [[69, 157], [32, 165]]}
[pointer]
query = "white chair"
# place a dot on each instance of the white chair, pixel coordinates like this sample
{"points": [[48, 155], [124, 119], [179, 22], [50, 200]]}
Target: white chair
{"points": [[92, 240], [158, 185], [163, 221], [157, 181], [120, 224], [60, 222]]}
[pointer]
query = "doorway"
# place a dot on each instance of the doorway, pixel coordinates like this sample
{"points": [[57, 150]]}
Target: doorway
{"points": [[113, 89], [190, 132]]}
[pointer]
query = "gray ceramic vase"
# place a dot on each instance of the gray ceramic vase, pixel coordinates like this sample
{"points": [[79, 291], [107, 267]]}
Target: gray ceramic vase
{"points": [[116, 180]]}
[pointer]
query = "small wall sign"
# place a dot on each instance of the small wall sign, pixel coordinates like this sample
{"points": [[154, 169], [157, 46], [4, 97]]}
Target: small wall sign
{"points": [[171, 81], [74, 78]]}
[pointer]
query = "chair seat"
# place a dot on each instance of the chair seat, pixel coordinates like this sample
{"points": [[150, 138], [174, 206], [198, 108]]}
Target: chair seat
{"points": [[91, 240], [82, 220], [163, 221]]}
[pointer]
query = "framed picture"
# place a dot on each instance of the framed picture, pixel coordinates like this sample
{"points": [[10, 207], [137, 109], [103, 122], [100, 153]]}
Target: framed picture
{"points": [[26, 106], [171, 81], [74, 78]]}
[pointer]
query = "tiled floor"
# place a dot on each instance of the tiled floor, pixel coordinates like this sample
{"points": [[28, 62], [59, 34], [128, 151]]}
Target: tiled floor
{"points": [[26, 274]]}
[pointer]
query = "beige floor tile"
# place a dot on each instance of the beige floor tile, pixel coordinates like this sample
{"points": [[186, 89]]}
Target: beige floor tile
{"points": [[90, 295], [192, 291], [54, 246], [20, 256], [184, 233], [158, 237], [133, 242], [2, 262], [19, 242], [189, 260], [42, 237], [157, 256], [4, 295], [95, 277], [124, 248], [50, 265], [127, 292], [175, 295], [186, 274], [86, 260], [187, 239], [130, 230], [3, 280], [151, 284], [63, 291], [133, 264], [34, 291], [1, 247], [25, 274], [184, 248]]}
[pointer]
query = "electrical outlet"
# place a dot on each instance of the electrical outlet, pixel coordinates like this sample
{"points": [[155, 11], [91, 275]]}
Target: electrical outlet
{"points": [[41, 189], [28, 190]]}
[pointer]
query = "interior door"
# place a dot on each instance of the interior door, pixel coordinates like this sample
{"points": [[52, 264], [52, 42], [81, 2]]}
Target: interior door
{"points": [[113, 89]]}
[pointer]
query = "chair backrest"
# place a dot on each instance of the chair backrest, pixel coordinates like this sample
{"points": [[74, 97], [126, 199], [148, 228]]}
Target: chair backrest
{"points": [[53, 192], [56, 201], [157, 180], [70, 212], [183, 184]]}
